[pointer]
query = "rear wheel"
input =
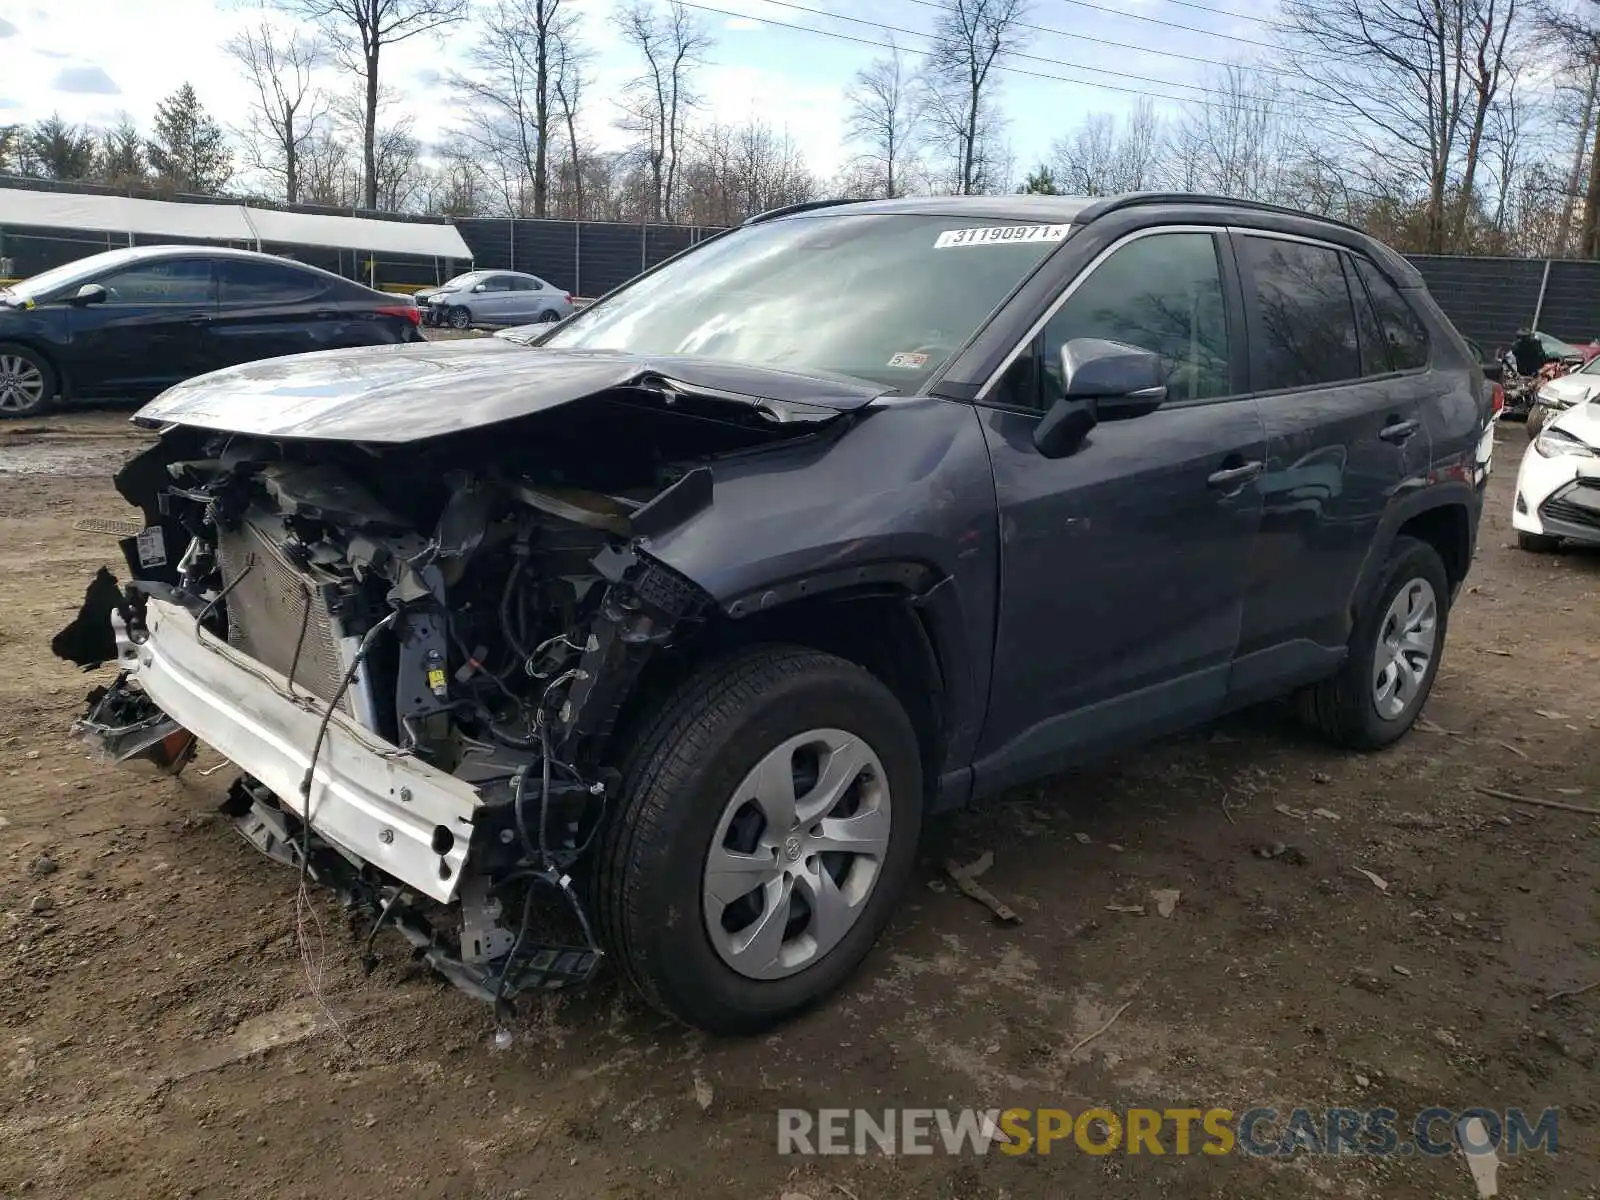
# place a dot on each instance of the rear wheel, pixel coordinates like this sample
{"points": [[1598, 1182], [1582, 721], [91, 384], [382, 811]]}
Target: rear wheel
{"points": [[770, 819], [1537, 543], [27, 382], [459, 317], [549, 317], [1394, 654]]}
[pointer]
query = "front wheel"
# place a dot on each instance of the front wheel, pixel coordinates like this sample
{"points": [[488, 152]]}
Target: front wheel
{"points": [[1538, 414], [769, 822], [1393, 654], [460, 317], [27, 382]]}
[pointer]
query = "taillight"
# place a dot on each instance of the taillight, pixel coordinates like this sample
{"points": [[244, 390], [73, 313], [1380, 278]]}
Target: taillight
{"points": [[406, 312], [569, 298], [1497, 401]]}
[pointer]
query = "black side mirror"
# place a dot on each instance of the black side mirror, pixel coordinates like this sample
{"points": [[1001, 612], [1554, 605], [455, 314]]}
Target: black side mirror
{"points": [[1100, 381], [90, 293]]}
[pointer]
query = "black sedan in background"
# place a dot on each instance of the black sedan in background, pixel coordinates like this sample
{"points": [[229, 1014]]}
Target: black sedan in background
{"points": [[129, 323]]}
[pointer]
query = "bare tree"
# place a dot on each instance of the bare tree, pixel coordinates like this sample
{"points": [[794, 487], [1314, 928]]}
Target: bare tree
{"points": [[399, 165], [970, 39], [1237, 144], [287, 105], [660, 99], [329, 174], [1400, 91], [572, 59], [733, 172], [1486, 35], [1105, 156], [512, 81], [358, 31], [887, 105]]}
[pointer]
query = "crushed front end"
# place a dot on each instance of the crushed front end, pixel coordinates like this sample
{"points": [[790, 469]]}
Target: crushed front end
{"points": [[416, 655]]}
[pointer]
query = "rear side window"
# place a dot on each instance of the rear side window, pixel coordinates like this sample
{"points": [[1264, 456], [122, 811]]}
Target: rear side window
{"points": [[1306, 325], [1403, 330], [247, 282], [1374, 346]]}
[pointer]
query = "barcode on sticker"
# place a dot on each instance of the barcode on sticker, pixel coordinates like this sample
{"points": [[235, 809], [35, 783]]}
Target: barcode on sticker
{"points": [[1003, 235], [152, 545]]}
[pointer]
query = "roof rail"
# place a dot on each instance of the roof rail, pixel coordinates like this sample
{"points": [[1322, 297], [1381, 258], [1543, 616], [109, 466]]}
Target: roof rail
{"points": [[773, 214], [1113, 204]]}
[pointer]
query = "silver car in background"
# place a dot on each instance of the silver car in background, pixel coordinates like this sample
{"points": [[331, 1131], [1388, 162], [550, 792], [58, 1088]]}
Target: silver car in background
{"points": [[494, 300]]}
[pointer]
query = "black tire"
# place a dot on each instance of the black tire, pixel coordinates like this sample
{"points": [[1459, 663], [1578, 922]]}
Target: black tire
{"points": [[459, 317], [1537, 543], [692, 754], [1343, 707], [1535, 420], [26, 363], [548, 317]]}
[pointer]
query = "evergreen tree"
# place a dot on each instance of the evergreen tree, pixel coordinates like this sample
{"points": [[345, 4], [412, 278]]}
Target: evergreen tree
{"points": [[121, 161], [189, 152], [53, 149], [1041, 181]]}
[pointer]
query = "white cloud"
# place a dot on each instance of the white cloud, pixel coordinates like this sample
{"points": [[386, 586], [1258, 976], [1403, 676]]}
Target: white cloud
{"points": [[84, 81]]}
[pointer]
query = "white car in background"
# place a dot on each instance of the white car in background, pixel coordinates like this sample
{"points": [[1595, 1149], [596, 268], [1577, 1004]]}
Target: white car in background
{"points": [[1558, 485]]}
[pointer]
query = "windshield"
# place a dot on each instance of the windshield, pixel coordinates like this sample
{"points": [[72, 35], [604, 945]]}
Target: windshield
{"points": [[56, 279], [460, 281], [883, 297], [1557, 347]]}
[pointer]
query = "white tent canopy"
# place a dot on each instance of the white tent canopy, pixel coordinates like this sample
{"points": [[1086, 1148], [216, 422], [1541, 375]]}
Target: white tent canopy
{"points": [[358, 233], [119, 214], [227, 223]]}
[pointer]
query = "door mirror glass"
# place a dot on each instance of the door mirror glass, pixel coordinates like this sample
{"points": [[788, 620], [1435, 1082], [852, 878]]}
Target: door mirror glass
{"points": [[1100, 381], [480, 287], [90, 293]]}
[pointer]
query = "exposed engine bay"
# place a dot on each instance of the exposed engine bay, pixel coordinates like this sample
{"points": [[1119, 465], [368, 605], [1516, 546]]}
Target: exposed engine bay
{"points": [[418, 653]]}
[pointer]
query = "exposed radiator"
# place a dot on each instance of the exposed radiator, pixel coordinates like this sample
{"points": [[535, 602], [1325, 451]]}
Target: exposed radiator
{"points": [[266, 602]]}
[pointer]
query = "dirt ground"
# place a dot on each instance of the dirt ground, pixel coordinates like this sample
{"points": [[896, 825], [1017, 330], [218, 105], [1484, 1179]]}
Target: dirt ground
{"points": [[158, 1036]]}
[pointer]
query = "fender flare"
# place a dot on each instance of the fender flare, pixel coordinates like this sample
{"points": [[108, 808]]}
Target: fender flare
{"points": [[1451, 493], [936, 602]]}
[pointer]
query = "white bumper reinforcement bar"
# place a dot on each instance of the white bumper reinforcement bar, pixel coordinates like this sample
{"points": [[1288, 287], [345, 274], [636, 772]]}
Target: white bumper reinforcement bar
{"points": [[368, 798]]}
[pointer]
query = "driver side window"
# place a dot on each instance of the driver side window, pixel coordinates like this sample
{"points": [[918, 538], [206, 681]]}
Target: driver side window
{"points": [[180, 281], [1161, 293]]}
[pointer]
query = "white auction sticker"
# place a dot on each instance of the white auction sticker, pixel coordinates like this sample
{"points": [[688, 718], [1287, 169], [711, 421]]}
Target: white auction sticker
{"points": [[1000, 235], [152, 546]]}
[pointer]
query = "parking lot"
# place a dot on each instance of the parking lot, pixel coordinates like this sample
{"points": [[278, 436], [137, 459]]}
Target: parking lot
{"points": [[160, 1036]]}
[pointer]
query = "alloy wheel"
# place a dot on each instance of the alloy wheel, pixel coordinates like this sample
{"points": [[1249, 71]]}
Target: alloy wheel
{"points": [[21, 384]]}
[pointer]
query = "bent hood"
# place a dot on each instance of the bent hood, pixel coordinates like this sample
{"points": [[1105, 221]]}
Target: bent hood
{"points": [[1582, 421], [1576, 388], [409, 393]]}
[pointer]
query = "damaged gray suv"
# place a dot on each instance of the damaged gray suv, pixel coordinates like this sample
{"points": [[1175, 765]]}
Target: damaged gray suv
{"points": [[659, 638]]}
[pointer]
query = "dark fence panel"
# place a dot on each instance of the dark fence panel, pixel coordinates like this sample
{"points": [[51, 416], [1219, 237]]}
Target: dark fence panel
{"points": [[587, 258], [1489, 299]]}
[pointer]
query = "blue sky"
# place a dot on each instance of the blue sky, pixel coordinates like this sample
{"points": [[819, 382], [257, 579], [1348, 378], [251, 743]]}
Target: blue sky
{"points": [[91, 59]]}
